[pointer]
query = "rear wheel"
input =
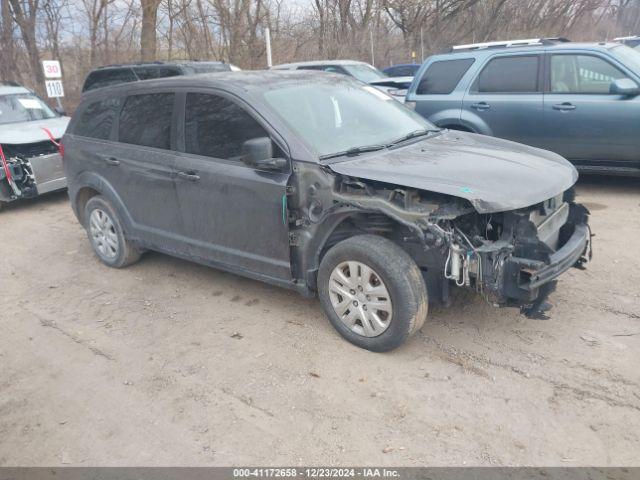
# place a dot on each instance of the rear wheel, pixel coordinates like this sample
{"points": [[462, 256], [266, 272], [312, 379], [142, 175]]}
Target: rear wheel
{"points": [[106, 234], [373, 292]]}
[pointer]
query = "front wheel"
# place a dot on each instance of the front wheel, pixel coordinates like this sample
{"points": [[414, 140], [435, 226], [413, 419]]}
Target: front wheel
{"points": [[373, 292]]}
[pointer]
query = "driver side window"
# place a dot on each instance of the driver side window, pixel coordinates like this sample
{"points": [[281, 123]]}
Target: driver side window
{"points": [[582, 74], [217, 127]]}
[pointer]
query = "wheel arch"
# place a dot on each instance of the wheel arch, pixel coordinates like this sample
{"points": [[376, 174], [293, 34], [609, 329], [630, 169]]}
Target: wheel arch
{"points": [[341, 227], [90, 184]]}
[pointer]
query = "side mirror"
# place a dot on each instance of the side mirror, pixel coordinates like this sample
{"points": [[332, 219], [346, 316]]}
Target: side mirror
{"points": [[60, 111], [258, 153], [624, 86]]}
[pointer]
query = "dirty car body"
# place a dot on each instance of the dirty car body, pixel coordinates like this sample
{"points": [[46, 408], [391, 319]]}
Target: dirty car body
{"points": [[32, 164], [342, 160]]}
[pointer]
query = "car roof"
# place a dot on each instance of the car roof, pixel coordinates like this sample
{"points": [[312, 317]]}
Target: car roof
{"points": [[12, 90], [284, 66], [238, 82], [178, 63]]}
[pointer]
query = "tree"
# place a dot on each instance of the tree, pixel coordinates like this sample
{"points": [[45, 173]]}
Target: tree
{"points": [[25, 14], [148, 38], [8, 70]]}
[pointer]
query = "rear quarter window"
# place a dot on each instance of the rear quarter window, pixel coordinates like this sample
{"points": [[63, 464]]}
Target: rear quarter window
{"points": [[442, 77], [97, 119]]}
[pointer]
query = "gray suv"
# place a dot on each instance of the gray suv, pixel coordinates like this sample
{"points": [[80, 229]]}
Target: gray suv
{"points": [[580, 100], [322, 184]]}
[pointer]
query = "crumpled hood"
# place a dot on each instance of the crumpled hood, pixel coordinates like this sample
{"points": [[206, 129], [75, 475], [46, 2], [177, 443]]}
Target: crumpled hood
{"points": [[31, 132], [494, 175]]}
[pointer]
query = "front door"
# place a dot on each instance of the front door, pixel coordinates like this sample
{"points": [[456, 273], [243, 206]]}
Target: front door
{"points": [[583, 121], [506, 99], [233, 214]]}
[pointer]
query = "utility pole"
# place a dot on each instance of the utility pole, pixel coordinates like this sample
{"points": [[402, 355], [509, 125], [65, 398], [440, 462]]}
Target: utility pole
{"points": [[373, 58], [421, 46], [267, 38]]}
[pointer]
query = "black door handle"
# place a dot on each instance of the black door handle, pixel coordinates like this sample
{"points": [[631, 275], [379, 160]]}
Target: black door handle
{"points": [[481, 106], [564, 107], [192, 177]]}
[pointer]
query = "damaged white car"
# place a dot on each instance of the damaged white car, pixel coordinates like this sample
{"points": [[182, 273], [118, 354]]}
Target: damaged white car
{"points": [[30, 152]]}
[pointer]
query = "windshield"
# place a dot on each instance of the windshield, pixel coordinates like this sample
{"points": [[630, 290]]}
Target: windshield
{"points": [[364, 73], [23, 107], [628, 56], [343, 115]]}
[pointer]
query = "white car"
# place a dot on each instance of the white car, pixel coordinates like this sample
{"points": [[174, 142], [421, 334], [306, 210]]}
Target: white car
{"points": [[30, 153], [394, 86]]}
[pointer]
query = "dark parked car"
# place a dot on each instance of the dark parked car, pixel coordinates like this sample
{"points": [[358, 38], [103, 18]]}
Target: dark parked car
{"points": [[114, 74], [322, 184], [580, 100], [402, 70]]}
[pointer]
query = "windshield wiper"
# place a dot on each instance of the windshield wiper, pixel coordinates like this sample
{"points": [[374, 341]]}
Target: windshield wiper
{"points": [[414, 134], [354, 151]]}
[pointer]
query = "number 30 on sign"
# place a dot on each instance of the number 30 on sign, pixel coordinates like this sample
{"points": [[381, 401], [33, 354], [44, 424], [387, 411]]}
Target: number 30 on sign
{"points": [[54, 88]]}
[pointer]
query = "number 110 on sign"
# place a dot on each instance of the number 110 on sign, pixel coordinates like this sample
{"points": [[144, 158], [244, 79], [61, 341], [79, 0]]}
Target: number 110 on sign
{"points": [[54, 88]]}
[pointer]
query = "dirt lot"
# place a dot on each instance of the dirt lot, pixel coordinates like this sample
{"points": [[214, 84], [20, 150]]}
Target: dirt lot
{"points": [[171, 363]]}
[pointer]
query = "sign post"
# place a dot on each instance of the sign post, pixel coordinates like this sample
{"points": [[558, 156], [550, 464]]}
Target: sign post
{"points": [[53, 82]]}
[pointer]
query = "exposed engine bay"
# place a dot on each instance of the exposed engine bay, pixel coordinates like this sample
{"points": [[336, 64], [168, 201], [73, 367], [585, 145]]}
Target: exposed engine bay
{"points": [[22, 165], [511, 258]]}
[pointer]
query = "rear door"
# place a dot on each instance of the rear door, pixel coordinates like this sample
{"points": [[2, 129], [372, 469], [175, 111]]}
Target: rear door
{"points": [[140, 166], [505, 100], [233, 213], [582, 120]]}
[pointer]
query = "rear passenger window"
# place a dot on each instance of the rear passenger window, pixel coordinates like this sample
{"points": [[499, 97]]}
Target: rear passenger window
{"points": [[146, 120], [442, 77], [97, 119], [509, 75], [217, 127]]}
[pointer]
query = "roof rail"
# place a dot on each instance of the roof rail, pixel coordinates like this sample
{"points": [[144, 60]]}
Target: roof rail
{"points": [[510, 43]]}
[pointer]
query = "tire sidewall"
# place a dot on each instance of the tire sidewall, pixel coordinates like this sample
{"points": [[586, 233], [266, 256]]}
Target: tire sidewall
{"points": [[404, 304], [99, 202]]}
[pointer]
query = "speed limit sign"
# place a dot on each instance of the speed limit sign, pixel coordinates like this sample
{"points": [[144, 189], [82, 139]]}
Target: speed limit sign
{"points": [[54, 88], [51, 69]]}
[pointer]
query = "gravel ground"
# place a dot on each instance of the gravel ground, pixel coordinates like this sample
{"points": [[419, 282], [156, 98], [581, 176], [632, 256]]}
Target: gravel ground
{"points": [[171, 363]]}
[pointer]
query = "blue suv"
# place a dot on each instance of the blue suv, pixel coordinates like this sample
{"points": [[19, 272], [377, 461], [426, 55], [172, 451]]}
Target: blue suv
{"points": [[580, 100]]}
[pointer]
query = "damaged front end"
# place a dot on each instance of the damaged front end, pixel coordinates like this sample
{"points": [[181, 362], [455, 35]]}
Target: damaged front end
{"points": [[25, 170], [511, 258]]}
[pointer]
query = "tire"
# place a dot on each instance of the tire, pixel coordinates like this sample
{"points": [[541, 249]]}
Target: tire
{"points": [[107, 238], [384, 327]]}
